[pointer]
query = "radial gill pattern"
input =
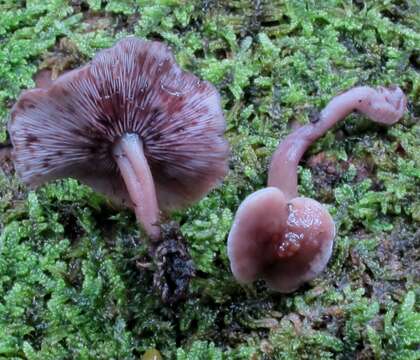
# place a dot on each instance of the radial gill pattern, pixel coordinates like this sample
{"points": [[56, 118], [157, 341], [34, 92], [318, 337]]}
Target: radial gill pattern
{"points": [[69, 128]]}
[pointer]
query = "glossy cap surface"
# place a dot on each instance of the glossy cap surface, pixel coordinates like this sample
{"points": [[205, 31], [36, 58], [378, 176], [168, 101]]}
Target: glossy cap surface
{"points": [[283, 243]]}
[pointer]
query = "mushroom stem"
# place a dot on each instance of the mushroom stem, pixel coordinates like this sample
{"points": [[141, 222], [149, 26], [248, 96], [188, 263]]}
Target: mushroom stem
{"points": [[381, 105], [129, 155]]}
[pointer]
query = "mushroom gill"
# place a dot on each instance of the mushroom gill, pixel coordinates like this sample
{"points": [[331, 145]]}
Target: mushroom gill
{"points": [[131, 124]]}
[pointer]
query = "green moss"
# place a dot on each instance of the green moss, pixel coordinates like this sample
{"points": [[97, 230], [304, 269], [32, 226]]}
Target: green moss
{"points": [[74, 280]]}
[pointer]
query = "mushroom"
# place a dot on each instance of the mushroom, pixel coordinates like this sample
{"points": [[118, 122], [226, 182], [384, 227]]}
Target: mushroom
{"points": [[284, 239], [131, 124]]}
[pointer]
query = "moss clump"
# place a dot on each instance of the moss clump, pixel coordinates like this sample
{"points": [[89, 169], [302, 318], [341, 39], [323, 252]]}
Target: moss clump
{"points": [[74, 276]]}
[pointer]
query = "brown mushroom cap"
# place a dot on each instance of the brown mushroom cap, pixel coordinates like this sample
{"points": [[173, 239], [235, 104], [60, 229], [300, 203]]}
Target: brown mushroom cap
{"points": [[283, 243], [69, 128]]}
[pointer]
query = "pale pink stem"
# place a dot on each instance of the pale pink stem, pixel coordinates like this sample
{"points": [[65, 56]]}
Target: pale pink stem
{"points": [[381, 105], [129, 155]]}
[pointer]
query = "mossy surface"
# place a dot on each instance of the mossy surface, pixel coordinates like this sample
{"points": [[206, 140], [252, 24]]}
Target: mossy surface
{"points": [[74, 281]]}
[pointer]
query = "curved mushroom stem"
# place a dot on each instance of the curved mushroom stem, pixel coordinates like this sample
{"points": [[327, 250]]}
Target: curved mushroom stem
{"points": [[382, 105], [129, 155]]}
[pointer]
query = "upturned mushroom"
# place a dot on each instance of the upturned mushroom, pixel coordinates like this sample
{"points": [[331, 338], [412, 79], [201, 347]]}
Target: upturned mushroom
{"points": [[131, 124], [284, 239]]}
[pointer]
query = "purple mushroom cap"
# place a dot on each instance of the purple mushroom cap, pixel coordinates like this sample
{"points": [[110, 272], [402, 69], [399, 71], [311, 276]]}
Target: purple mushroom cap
{"points": [[285, 243], [71, 128], [285, 239]]}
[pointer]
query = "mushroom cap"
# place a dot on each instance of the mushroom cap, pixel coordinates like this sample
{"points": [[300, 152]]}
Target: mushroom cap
{"points": [[68, 129], [284, 243], [386, 105]]}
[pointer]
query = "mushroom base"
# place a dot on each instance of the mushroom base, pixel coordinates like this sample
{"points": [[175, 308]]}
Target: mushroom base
{"points": [[174, 265]]}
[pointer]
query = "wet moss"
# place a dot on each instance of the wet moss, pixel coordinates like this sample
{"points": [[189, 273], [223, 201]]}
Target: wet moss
{"points": [[75, 280]]}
